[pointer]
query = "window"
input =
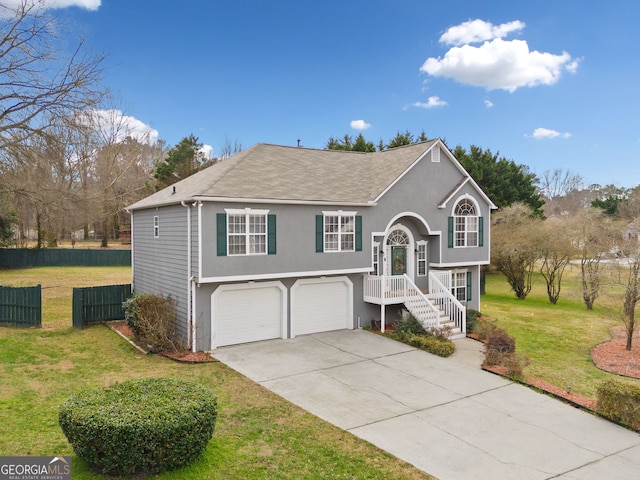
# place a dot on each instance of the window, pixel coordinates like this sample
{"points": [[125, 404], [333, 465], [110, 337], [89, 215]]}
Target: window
{"points": [[156, 226], [338, 232], [246, 232], [421, 257], [461, 285], [376, 258], [465, 224]]}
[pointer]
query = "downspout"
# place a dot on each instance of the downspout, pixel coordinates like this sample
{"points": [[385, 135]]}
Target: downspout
{"points": [[190, 329]]}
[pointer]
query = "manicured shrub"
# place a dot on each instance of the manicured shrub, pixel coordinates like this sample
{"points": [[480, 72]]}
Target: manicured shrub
{"points": [[153, 321], [620, 402], [438, 346], [499, 344], [472, 319], [409, 325], [139, 426]]}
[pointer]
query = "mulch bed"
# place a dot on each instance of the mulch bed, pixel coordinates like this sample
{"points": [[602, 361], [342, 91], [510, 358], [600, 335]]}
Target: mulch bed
{"points": [[182, 356], [611, 356]]}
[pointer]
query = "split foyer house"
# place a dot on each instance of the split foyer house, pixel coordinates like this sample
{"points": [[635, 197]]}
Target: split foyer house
{"points": [[278, 241]]}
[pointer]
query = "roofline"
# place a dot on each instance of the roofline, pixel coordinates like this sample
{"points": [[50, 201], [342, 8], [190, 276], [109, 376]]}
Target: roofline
{"points": [[200, 198], [399, 177]]}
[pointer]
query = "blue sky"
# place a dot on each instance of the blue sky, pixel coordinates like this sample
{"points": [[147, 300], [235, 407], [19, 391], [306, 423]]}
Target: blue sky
{"points": [[548, 84]]}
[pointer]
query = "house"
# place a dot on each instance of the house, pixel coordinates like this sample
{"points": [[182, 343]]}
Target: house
{"points": [[279, 241]]}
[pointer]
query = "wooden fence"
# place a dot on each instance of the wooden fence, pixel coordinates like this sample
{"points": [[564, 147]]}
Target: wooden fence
{"points": [[21, 307], [97, 304], [63, 257]]}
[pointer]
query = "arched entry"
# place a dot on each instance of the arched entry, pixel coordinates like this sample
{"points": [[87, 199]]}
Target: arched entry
{"points": [[399, 252]]}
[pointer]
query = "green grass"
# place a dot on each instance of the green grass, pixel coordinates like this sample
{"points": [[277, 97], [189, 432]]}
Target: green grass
{"points": [[556, 338], [258, 435]]}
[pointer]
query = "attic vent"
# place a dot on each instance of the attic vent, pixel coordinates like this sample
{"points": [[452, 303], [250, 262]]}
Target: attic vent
{"points": [[435, 155]]}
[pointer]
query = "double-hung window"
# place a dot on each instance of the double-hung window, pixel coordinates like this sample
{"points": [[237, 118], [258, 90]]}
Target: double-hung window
{"points": [[421, 258], [246, 232], [338, 232], [461, 285]]}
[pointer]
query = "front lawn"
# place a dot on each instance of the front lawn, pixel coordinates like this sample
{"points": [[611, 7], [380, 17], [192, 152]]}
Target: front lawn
{"points": [[258, 434], [556, 338]]}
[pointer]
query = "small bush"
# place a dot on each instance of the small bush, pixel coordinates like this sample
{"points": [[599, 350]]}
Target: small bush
{"points": [[499, 344], [435, 345], [620, 402], [409, 325], [472, 319], [139, 426], [441, 333], [153, 321], [515, 365], [485, 329]]}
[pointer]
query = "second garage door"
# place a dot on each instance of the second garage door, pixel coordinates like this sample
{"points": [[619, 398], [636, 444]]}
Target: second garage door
{"points": [[321, 305], [244, 313]]}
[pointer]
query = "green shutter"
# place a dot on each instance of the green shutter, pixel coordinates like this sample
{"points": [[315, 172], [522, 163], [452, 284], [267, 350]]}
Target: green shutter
{"points": [[271, 234], [221, 234], [481, 231], [319, 233], [358, 233], [468, 286], [450, 232]]}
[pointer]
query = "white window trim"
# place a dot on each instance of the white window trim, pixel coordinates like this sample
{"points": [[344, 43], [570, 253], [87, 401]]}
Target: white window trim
{"points": [[247, 212], [340, 214], [376, 253], [455, 287], [156, 226], [466, 222], [419, 245]]}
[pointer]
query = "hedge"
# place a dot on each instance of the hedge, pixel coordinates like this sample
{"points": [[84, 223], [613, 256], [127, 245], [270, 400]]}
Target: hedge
{"points": [[139, 426], [620, 402]]}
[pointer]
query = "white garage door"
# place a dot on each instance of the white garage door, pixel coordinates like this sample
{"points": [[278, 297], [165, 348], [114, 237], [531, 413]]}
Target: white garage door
{"points": [[321, 305], [247, 313]]}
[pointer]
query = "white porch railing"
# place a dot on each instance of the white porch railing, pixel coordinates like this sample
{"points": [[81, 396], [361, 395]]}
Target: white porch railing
{"points": [[389, 290], [440, 293]]}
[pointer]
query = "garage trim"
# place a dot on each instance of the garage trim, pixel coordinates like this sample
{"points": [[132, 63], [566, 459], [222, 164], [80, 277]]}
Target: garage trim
{"points": [[306, 281], [248, 286]]}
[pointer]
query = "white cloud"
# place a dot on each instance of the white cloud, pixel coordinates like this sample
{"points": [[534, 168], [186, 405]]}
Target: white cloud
{"points": [[207, 151], [54, 4], [488, 103], [432, 102], [116, 126], [359, 125], [496, 63], [543, 133], [476, 31]]}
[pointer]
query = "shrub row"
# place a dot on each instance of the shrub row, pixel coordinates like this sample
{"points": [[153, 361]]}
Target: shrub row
{"points": [[432, 344], [620, 402], [139, 426]]}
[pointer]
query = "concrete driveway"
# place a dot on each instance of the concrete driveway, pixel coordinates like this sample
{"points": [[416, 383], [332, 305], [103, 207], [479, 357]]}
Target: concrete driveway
{"points": [[445, 416]]}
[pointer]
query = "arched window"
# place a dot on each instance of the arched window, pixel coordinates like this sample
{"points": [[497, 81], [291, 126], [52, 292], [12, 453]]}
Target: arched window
{"points": [[465, 218], [398, 237]]}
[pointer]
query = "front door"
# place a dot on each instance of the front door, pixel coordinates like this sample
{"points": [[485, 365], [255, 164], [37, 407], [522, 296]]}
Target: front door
{"points": [[398, 260]]}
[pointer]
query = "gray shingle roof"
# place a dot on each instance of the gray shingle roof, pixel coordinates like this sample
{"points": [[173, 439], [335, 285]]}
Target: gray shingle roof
{"points": [[272, 172]]}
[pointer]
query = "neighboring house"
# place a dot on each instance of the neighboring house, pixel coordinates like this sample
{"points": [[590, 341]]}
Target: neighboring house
{"points": [[276, 242]]}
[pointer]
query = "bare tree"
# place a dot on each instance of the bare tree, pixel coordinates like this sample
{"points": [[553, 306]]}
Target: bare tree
{"points": [[556, 251], [594, 236], [627, 274], [514, 246], [227, 150], [558, 183], [39, 82]]}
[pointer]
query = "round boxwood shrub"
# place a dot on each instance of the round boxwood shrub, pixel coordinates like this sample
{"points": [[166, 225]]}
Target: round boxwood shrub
{"points": [[139, 426]]}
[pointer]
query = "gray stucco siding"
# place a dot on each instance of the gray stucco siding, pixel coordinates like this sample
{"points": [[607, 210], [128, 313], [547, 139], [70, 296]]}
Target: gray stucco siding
{"points": [[160, 264]]}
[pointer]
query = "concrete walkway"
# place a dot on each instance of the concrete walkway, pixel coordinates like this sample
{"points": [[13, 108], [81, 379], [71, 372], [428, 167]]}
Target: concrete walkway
{"points": [[445, 416]]}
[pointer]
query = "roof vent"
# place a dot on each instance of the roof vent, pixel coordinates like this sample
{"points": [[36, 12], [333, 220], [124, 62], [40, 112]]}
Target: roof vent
{"points": [[174, 190]]}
